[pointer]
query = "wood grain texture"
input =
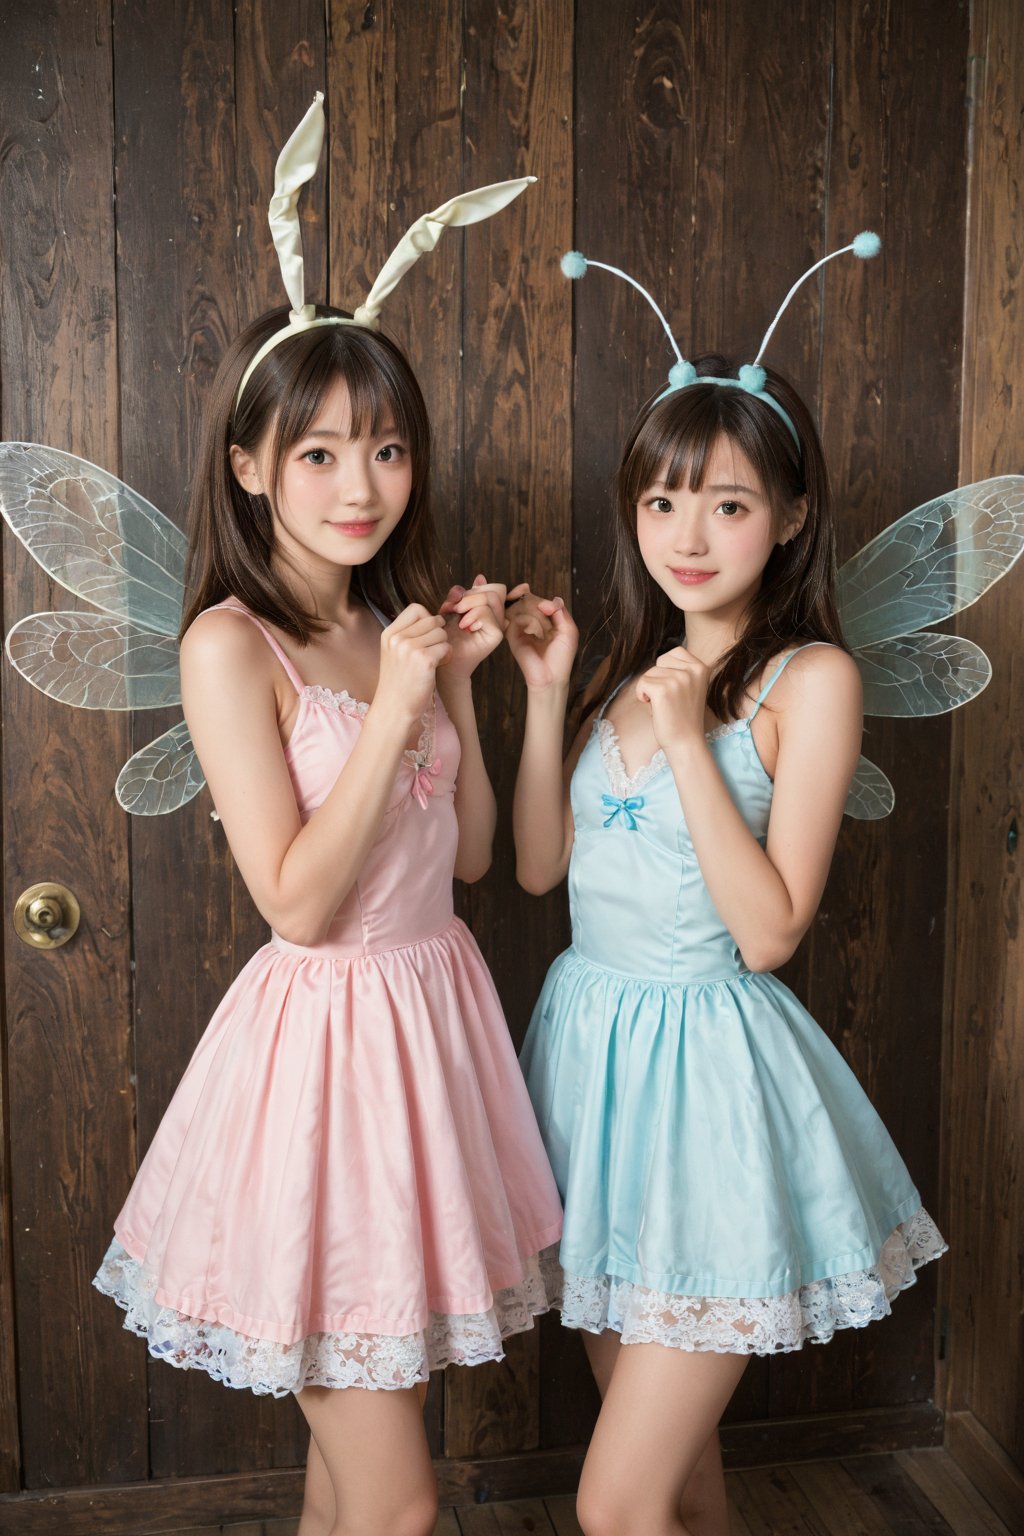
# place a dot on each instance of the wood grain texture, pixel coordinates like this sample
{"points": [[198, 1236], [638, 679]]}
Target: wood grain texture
{"points": [[889, 344], [524, 1515], [837, 1499], [987, 1465], [81, 1392], [714, 151], [515, 492], [178, 1504], [202, 100], [984, 1056], [949, 1489], [562, 1514], [10, 1440], [898, 1498]]}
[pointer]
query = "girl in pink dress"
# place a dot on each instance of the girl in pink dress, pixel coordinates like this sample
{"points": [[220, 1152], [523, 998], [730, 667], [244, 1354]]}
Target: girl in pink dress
{"points": [[348, 1189]]}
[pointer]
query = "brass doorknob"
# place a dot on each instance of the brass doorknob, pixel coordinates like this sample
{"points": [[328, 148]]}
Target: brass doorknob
{"points": [[46, 915]]}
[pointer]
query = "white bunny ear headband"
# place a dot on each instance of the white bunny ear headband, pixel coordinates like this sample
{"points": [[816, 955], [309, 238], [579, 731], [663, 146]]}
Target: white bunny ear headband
{"points": [[296, 166], [752, 376]]}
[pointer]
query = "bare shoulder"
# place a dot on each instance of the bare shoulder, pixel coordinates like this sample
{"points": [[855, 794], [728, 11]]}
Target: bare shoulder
{"points": [[821, 680], [221, 642]]}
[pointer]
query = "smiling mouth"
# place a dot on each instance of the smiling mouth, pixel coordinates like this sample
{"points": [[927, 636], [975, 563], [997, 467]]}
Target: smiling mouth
{"points": [[358, 528], [691, 578]]}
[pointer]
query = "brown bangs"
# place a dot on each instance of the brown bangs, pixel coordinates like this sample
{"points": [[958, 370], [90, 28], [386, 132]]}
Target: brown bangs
{"points": [[680, 432], [377, 401], [671, 442], [231, 533]]}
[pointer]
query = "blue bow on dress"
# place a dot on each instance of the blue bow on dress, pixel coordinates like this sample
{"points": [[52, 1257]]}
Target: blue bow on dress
{"points": [[624, 808]]}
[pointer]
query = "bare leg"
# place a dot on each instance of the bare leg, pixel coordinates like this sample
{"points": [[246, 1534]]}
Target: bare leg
{"points": [[373, 1450], [704, 1508], [654, 1465], [318, 1511]]}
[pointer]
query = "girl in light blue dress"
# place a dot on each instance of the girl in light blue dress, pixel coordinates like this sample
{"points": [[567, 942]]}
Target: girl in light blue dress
{"points": [[728, 1188]]}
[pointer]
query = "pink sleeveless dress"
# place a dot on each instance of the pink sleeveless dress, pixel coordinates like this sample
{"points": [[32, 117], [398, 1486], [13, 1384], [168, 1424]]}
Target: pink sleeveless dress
{"points": [[348, 1187]]}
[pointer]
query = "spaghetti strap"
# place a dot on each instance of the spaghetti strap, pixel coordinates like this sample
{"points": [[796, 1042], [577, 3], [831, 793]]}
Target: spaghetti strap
{"points": [[783, 664], [613, 695], [379, 615], [232, 605]]}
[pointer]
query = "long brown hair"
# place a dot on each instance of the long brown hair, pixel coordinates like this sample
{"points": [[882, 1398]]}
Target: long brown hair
{"points": [[672, 439], [231, 532]]}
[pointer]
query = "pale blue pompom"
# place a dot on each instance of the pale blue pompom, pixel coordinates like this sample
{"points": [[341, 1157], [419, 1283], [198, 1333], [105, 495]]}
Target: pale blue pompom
{"points": [[752, 378], [681, 374], [574, 264], [866, 245]]}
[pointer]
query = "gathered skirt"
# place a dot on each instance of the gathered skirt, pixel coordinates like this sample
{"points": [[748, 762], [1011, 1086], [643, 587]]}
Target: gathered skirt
{"points": [[348, 1187], [727, 1184]]}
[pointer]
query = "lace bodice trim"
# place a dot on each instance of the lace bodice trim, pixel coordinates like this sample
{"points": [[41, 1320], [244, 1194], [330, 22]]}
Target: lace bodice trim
{"points": [[625, 784], [760, 1325], [343, 702], [372, 1361]]}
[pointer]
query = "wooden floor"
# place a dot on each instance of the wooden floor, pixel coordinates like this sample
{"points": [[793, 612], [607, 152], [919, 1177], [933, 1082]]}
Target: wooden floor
{"points": [[911, 1493]]}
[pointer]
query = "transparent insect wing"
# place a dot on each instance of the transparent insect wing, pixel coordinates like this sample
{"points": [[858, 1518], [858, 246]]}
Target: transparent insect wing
{"points": [[162, 776], [93, 661], [934, 562], [921, 674], [94, 534], [871, 795]]}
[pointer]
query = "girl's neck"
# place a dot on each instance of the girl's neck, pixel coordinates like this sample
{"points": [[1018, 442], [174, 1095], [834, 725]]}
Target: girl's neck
{"points": [[326, 591], [709, 636]]}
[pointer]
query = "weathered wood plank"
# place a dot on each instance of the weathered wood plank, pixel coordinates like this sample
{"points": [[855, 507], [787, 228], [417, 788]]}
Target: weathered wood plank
{"points": [[176, 108], [562, 1514], [10, 1439], [984, 1059], [517, 358], [738, 1524], [908, 1510], [988, 1466], [68, 1012], [950, 1490], [267, 1501], [517, 350], [888, 346], [772, 1504], [839, 1500], [769, 1441], [506, 1519]]}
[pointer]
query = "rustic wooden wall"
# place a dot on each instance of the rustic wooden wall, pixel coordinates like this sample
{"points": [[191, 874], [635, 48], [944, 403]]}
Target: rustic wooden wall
{"points": [[983, 1291], [713, 151]]}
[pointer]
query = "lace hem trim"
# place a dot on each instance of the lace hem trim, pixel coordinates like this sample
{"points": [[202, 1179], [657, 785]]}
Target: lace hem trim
{"points": [[759, 1325], [373, 1361]]}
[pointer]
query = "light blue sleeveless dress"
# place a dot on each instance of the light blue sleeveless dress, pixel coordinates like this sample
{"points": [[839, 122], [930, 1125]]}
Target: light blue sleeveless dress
{"points": [[727, 1185]]}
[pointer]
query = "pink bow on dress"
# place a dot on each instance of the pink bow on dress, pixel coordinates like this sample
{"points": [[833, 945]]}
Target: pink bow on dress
{"points": [[422, 784]]}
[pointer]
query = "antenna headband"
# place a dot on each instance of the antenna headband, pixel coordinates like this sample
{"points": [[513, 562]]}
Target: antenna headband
{"points": [[752, 377]]}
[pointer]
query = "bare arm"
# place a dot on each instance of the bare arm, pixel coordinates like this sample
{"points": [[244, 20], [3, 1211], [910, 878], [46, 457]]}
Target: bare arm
{"points": [[298, 875], [476, 625], [767, 897], [543, 639], [475, 806]]}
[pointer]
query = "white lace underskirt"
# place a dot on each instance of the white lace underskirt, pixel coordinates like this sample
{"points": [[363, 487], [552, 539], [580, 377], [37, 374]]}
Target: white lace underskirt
{"points": [[374, 1361], [759, 1325]]}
